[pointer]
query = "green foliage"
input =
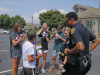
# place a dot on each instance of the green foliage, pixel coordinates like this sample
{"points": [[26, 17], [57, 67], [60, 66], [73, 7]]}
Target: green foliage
{"points": [[7, 22], [98, 37], [53, 18], [36, 29]]}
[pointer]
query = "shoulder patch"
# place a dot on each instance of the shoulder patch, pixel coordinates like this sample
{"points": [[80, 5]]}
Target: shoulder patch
{"points": [[72, 30]]}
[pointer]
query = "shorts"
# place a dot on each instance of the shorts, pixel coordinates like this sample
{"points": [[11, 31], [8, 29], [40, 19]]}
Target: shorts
{"points": [[44, 51], [15, 53], [29, 71], [56, 53]]}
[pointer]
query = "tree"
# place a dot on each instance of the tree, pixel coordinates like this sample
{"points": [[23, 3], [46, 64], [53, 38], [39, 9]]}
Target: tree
{"points": [[53, 18], [36, 28], [12, 22], [7, 22], [20, 20]]}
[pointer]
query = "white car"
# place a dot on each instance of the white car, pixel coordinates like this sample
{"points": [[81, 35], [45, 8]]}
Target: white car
{"points": [[6, 32]]}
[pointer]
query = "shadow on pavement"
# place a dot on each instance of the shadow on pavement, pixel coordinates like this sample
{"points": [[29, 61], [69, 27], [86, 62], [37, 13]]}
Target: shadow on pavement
{"points": [[21, 73], [47, 65]]}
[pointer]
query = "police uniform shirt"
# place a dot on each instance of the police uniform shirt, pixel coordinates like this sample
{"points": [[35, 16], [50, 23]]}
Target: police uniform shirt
{"points": [[81, 34]]}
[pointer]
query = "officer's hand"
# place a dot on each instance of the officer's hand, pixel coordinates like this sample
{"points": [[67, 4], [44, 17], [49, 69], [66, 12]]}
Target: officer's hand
{"points": [[65, 50]]}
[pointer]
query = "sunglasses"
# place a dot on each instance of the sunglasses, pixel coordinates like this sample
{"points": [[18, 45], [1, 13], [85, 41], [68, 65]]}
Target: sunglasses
{"points": [[67, 20], [65, 34]]}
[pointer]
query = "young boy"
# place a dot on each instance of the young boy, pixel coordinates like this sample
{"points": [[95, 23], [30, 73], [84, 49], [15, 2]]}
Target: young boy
{"points": [[45, 40], [59, 38], [29, 54]]}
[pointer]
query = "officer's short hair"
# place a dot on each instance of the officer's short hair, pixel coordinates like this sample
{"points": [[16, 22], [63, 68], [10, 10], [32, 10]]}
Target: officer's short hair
{"points": [[72, 15], [31, 34]]}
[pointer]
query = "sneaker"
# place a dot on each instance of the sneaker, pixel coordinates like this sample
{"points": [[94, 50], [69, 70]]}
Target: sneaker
{"points": [[52, 69], [42, 70], [36, 71], [58, 72]]}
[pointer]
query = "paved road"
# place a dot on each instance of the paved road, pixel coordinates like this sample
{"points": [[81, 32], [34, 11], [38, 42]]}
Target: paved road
{"points": [[6, 62]]}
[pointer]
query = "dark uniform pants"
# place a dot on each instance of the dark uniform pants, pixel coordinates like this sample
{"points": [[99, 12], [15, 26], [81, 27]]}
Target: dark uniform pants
{"points": [[78, 69], [66, 67]]}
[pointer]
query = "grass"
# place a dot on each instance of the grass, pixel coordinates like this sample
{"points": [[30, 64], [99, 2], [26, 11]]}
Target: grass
{"points": [[98, 37]]}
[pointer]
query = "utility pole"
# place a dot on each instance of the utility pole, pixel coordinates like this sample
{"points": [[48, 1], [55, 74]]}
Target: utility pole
{"points": [[32, 22]]}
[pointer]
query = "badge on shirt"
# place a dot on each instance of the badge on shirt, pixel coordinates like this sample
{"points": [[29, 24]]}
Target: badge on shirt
{"points": [[72, 30], [68, 42]]}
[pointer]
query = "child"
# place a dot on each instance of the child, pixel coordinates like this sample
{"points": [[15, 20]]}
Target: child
{"points": [[59, 38], [63, 55]]}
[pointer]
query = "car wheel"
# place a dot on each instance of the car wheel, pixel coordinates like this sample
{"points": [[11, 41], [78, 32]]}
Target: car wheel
{"points": [[5, 33]]}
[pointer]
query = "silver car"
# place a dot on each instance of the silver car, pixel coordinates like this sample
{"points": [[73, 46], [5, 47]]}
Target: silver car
{"points": [[6, 32]]}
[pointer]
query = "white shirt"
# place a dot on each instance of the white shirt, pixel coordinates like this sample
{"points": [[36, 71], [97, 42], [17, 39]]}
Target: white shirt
{"points": [[28, 49]]}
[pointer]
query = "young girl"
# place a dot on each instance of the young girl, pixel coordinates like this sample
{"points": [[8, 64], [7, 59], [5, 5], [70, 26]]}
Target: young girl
{"points": [[66, 45]]}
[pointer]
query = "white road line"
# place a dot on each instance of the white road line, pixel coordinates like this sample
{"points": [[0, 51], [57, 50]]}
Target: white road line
{"points": [[4, 50], [9, 70]]}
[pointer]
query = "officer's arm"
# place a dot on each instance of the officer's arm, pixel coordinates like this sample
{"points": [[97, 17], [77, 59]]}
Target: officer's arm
{"points": [[95, 42], [78, 48]]}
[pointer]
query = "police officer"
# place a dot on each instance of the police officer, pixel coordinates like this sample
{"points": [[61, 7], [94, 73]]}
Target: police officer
{"points": [[78, 55]]}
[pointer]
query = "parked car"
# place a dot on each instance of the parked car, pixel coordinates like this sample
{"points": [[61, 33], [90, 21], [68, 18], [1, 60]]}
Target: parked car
{"points": [[6, 32]]}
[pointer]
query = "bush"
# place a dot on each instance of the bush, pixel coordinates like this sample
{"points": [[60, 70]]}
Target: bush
{"points": [[98, 37], [36, 29]]}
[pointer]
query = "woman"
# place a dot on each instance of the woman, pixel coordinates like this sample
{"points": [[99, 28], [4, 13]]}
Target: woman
{"points": [[15, 47], [45, 35], [66, 45]]}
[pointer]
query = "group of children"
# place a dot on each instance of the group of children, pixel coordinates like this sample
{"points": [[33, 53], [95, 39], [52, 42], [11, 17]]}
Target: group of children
{"points": [[31, 55]]}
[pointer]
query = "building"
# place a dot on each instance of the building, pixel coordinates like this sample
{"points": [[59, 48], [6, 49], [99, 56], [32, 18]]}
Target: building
{"points": [[89, 16], [29, 26]]}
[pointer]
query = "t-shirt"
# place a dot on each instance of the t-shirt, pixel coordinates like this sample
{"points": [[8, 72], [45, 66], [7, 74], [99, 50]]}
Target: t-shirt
{"points": [[28, 49], [44, 43], [16, 51], [57, 43]]}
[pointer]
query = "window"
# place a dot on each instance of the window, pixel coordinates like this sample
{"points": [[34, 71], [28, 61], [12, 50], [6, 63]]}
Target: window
{"points": [[89, 25], [76, 9], [99, 27]]}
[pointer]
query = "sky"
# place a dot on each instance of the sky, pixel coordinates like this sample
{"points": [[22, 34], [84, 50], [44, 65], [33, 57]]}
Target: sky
{"points": [[29, 8]]}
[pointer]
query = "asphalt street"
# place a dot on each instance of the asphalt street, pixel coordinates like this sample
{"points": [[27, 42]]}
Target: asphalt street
{"points": [[6, 62]]}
